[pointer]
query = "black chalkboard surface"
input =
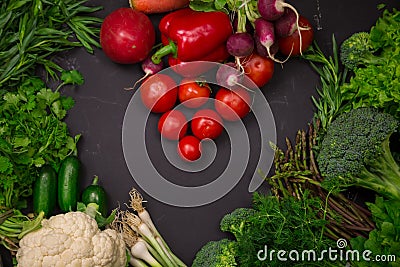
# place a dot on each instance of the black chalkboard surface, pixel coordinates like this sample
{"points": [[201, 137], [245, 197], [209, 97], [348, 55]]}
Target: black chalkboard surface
{"points": [[101, 103]]}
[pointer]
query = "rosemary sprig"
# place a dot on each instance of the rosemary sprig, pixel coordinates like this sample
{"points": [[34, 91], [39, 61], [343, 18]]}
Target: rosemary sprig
{"points": [[330, 102]]}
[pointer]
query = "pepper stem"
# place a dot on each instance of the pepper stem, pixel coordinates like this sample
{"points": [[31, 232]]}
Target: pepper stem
{"points": [[163, 51]]}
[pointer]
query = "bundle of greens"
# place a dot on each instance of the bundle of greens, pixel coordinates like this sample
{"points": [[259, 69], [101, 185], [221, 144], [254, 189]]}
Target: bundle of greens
{"points": [[385, 239], [145, 245], [296, 170], [32, 32], [271, 224], [374, 58], [33, 133]]}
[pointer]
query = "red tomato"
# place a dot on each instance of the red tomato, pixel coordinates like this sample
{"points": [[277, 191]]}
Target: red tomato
{"points": [[259, 69], [189, 148], [232, 105], [127, 36], [290, 45], [206, 123], [173, 125], [159, 93], [197, 92]]}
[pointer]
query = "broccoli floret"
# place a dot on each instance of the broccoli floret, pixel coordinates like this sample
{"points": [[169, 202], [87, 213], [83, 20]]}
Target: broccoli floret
{"points": [[235, 221], [219, 253], [356, 152], [357, 51]]}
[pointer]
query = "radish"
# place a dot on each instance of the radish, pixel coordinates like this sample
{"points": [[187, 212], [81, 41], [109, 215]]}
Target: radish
{"points": [[149, 68], [240, 44], [273, 10], [228, 76], [262, 51], [287, 24], [265, 34]]}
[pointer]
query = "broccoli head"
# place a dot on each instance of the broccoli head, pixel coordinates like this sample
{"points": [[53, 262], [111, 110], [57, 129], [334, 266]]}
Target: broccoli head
{"points": [[355, 151], [357, 51], [220, 253], [235, 221]]}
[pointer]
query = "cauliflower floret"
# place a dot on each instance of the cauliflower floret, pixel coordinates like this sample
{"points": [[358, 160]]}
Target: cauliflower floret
{"points": [[71, 240]]}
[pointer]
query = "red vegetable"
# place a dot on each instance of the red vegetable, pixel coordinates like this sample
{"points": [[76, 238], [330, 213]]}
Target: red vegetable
{"points": [[259, 69], [127, 36], [193, 94], [194, 35], [206, 123], [232, 105], [294, 45], [173, 125], [159, 93], [189, 148]]}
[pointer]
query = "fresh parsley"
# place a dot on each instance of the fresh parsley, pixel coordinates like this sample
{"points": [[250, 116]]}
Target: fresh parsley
{"points": [[32, 133]]}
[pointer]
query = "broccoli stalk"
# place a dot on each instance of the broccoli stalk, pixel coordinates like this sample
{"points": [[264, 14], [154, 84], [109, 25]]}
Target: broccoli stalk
{"points": [[382, 174], [357, 51], [356, 152]]}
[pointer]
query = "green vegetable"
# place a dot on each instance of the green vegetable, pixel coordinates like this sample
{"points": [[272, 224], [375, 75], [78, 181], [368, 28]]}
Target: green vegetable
{"points": [[32, 135], [68, 183], [356, 51], [14, 225], [95, 193], [296, 171], [33, 32], [220, 253], [276, 223], [376, 85], [356, 152], [385, 239], [236, 221], [330, 102], [245, 11], [45, 191], [92, 209]]}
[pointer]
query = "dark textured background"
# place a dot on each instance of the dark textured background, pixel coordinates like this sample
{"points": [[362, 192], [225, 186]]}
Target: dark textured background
{"points": [[101, 103]]}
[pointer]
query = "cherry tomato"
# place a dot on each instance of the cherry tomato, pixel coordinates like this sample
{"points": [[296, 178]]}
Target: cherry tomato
{"points": [[159, 93], [290, 45], [259, 69], [127, 36], [197, 92], [173, 125], [189, 148], [206, 123], [232, 105]]}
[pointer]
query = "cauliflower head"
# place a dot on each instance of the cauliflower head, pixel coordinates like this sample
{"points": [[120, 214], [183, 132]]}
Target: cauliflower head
{"points": [[72, 239]]}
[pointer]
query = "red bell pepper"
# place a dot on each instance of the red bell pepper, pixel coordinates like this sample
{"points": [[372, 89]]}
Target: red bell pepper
{"points": [[194, 36]]}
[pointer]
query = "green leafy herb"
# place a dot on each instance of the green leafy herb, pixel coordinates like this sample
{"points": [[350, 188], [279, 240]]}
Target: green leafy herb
{"points": [[378, 85], [385, 239], [32, 32], [32, 134], [330, 102]]}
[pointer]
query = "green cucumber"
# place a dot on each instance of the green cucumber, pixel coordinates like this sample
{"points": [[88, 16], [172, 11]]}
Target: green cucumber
{"points": [[68, 183], [95, 193], [45, 191]]}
